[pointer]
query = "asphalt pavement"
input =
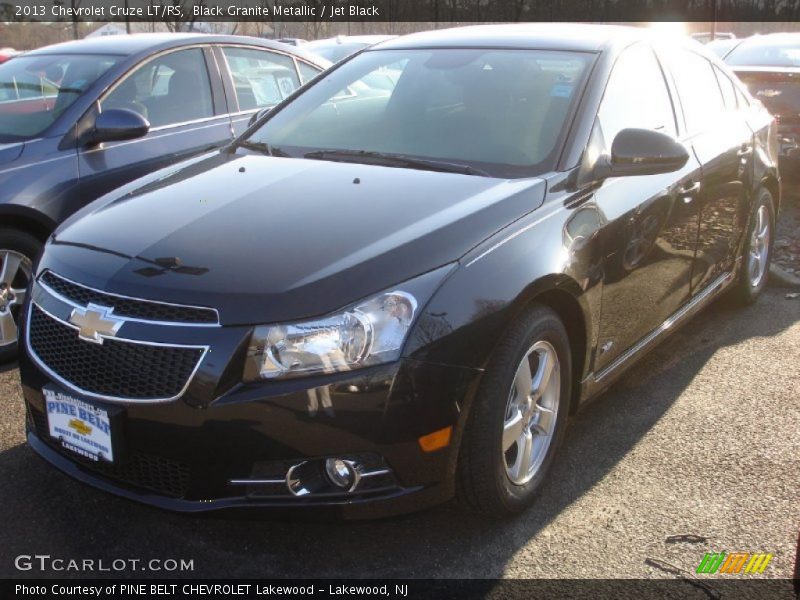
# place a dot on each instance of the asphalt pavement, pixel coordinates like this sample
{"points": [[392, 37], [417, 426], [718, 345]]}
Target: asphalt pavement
{"points": [[695, 450]]}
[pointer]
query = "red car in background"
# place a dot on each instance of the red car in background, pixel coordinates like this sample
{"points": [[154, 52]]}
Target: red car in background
{"points": [[7, 54]]}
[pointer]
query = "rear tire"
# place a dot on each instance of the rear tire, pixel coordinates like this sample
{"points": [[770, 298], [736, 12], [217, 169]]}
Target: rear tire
{"points": [[18, 251], [757, 251], [517, 419]]}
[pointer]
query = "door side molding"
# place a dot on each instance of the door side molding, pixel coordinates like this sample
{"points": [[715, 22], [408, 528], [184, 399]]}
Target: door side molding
{"points": [[710, 292]]}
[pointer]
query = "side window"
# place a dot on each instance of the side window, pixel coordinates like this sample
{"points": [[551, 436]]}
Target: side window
{"points": [[698, 89], [307, 72], [261, 78], [173, 88], [636, 96], [728, 90]]}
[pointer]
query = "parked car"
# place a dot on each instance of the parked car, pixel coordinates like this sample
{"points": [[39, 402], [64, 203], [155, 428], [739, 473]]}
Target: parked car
{"points": [[291, 41], [707, 37], [82, 118], [770, 67], [338, 48], [370, 303]]}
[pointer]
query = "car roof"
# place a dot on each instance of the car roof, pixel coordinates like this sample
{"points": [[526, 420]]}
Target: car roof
{"points": [[128, 45], [545, 36], [772, 38], [351, 39]]}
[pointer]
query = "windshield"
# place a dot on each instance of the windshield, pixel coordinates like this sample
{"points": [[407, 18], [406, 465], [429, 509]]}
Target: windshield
{"points": [[766, 52], [35, 90], [501, 112], [722, 47]]}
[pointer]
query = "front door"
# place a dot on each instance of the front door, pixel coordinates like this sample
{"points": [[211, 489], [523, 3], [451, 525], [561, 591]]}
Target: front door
{"points": [[173, 91], [652, 221]]}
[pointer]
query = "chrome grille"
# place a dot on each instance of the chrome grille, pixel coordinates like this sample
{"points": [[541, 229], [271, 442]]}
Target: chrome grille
{"points": [[117, 369], [132, 308]]}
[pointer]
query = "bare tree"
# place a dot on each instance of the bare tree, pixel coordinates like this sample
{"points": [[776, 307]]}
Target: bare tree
{"points": [[73, 5], [187, 19]]}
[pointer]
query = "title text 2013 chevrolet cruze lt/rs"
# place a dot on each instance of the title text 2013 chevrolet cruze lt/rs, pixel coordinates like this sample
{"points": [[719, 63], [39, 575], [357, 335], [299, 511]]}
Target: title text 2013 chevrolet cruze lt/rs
{"points": [[377, 299]]}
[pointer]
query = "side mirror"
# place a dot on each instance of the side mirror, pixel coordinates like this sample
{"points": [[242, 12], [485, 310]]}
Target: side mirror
{"points": [[118, 124], [257, 115], [641, 152]]}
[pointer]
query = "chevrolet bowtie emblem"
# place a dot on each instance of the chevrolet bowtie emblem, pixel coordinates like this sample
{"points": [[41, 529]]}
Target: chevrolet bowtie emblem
{"points": [[79, 426], [95, 323]]}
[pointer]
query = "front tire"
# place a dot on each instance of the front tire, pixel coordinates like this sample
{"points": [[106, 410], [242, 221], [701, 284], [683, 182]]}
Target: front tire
{"points": [[18, 250], [757, 251], [518, 416]]}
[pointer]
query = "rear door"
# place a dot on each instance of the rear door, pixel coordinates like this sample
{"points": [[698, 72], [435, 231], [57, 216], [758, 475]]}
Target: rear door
{"points": [[778, 89], [258, 78], [723, 143], [180, 93]]}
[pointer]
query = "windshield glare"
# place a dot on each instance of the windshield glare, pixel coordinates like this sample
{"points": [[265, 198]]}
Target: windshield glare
{"points": [[35, 90], [501, 111]]}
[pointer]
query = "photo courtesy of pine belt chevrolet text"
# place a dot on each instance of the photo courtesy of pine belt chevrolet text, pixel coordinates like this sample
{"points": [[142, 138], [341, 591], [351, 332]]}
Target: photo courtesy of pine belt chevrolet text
{"points": [[396, 286]]}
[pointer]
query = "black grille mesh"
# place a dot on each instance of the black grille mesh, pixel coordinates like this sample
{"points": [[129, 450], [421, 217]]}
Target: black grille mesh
{"points": [[155, 473], [115, 368], [128, 307]]}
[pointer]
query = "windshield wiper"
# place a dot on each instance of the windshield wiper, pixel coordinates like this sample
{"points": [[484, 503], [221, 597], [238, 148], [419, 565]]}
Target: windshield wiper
{"points": [[394, 160], [262, 147]]}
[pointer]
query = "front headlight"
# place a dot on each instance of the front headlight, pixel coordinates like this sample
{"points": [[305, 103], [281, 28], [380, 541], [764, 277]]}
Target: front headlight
{"points": [[369, 333]]}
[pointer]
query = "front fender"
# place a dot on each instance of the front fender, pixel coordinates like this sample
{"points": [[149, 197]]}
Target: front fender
{"points": [[539, 257]]}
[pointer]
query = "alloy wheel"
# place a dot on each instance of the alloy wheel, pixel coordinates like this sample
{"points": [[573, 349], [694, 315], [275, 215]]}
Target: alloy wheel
{"points": [[759, 247], [531, 412], [15, 274]]}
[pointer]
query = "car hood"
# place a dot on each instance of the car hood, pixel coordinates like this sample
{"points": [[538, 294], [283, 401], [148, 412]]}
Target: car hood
{"points": [[267, 239]]}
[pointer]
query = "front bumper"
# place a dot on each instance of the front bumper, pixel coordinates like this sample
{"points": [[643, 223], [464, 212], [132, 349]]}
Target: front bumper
{"points": [[183, 455]]}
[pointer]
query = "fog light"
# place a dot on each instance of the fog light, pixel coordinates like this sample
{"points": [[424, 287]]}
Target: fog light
{"points": [[341, 473]]}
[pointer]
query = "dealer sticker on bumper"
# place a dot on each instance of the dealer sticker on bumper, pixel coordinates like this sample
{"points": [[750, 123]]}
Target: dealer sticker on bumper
{"points": [[80, 427]]}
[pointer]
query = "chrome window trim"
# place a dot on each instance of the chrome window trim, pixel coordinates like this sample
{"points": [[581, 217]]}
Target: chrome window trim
{"points": [[114, 399], [223, 120], [150, 58], [251, 111], [74, 304], [184, 123]]}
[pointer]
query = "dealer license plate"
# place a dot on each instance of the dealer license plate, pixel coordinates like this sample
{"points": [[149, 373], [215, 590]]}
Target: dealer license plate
{"points": [[80, 427]]}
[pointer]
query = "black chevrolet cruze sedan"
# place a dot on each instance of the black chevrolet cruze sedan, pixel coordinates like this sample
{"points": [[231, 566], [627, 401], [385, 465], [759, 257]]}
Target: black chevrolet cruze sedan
{"points": [[82, 118], [376, 300]]}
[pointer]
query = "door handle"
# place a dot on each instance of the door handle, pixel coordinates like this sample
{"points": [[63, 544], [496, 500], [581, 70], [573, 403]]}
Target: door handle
{"points": [[688, 191]]}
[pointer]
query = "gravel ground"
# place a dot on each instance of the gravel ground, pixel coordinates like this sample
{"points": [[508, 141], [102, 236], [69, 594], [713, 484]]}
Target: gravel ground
{"points": [[787, 240], [700, 441]]}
